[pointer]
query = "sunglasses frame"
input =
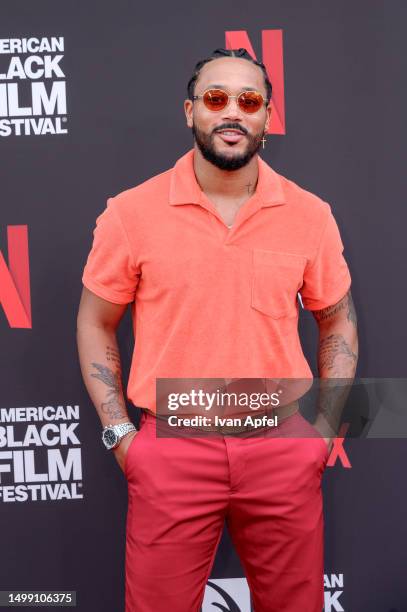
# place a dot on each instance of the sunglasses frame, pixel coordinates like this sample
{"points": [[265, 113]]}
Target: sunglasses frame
{"points": [[264, 102]]}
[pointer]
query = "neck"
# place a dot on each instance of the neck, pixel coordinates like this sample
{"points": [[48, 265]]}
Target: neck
{"points": [[226, 183]]}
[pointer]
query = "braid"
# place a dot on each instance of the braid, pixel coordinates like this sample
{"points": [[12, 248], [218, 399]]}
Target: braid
{"points": [[243, 53]]}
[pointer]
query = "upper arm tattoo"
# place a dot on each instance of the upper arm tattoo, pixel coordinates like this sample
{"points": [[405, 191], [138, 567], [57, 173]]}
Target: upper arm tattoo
{"points": [[336, 355], [351, 312], [345, 304]]}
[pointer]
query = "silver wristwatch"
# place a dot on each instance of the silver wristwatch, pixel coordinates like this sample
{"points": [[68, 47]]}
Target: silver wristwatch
{"points": [[112, 434]]}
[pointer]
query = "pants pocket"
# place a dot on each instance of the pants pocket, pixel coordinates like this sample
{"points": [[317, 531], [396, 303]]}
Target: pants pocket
{"points": [[132, 448]]}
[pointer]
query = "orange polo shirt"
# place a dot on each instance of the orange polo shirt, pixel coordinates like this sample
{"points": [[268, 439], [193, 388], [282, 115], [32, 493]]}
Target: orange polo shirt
{"points": [[208, 301]]}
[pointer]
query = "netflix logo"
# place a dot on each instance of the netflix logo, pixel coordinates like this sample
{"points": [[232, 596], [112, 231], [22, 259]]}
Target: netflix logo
{"points": [[15, 296], [272, 52]]}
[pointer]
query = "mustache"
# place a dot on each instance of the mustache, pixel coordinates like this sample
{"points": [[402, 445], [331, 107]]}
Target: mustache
{"points": [[231, 126]]}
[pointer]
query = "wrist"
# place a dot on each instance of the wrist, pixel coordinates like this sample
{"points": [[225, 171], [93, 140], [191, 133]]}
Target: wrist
{"points": [[113, 434]]}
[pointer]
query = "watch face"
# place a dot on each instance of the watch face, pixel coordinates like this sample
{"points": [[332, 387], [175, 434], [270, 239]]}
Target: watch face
{"points": [[109, 437]]}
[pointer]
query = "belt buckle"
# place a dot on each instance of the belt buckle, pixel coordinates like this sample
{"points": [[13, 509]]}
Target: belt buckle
{"points": [[225, 429], [233, 429], [222, 429]]}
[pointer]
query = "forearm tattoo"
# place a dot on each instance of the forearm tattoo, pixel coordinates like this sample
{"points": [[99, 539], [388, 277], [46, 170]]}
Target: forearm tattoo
{"points": [[336, 359], [336, 356], [333, 393], [113, 406]]}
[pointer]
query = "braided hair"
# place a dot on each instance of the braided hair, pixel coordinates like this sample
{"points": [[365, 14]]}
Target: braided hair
{"points": [[243, 53]]}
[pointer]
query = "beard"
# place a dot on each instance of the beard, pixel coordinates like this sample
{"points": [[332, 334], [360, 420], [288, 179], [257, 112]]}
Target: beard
{"points": [[221, 161]]}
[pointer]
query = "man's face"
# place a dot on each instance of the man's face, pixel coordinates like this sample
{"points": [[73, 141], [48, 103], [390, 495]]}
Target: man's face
{"points": [[233, 75]]}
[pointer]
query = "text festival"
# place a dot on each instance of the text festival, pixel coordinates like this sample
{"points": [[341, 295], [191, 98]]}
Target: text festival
{"points": [[40, 460], [33, 96]]}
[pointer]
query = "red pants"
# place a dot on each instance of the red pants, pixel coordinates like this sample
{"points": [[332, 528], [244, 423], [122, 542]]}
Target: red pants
{"points": [[268, 489]]}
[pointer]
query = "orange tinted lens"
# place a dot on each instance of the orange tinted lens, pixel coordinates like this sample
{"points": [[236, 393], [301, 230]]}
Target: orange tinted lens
{"points": [[250, 101], [215, 99]]}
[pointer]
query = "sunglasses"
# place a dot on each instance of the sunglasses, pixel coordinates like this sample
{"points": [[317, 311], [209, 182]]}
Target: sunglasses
{"points": [[217, 99]]}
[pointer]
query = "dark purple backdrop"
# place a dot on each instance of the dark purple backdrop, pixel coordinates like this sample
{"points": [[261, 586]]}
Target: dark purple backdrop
{"points": [[345, 94]]}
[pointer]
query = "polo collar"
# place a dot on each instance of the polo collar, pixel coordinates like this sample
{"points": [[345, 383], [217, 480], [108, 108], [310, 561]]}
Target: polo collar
{"points": [[184, 188]]}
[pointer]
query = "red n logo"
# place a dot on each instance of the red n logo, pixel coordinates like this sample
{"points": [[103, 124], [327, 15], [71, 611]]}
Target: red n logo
{"points": [[272, 46], [15, 280]]}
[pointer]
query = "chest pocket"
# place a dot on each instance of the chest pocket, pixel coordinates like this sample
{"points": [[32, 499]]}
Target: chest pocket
{"points": [[276, 279]]}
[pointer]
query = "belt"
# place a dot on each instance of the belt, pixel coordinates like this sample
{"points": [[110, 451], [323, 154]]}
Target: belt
{"points": [[282, 413]]}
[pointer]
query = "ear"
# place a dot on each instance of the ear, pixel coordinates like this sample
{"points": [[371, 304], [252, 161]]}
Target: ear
{"points": [[268, 119], [188, 109]]}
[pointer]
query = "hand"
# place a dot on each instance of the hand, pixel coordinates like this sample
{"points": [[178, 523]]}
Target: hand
{"points": [[329, 442], [120, 451], [321, 426]]}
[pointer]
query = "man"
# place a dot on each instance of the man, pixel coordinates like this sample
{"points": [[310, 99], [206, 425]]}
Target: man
{"points": [[211, 255]]}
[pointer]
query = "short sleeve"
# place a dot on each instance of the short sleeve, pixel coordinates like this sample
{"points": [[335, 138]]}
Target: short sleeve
{"points": [[326, 278], [110, 271]]}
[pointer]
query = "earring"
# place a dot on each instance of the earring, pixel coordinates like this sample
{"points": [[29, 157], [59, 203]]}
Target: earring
{"points": [[263, 140]]}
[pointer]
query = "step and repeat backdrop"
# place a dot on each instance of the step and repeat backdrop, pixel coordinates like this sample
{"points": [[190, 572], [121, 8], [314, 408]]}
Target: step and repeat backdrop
{"points": [[91, 103]]}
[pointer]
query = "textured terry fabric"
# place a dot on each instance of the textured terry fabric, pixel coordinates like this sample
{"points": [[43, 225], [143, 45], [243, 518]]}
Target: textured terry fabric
{"points": [[210, 301]]}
